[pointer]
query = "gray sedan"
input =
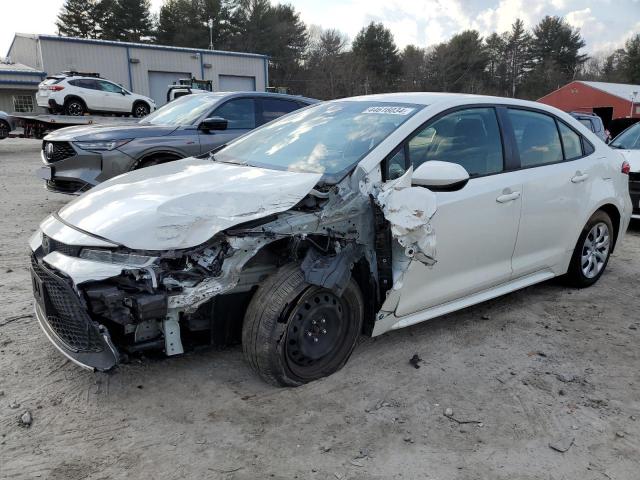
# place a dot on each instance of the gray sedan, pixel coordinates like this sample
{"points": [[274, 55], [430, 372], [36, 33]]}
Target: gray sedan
{"points": [[78, 158]]}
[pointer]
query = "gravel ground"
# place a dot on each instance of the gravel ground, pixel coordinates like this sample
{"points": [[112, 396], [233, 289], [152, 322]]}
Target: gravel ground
{"points": [[543, 367]]}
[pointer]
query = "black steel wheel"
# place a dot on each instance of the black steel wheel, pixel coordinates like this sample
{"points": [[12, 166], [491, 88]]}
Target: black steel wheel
{"points": [[294, 333]]}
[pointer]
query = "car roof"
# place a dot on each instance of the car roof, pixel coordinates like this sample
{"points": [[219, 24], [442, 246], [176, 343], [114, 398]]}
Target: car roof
{"points": [[433, 98], [253, 93]]}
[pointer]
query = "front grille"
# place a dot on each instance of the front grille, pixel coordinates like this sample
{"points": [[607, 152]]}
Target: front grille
{"points": [[65, 314], [50, 245], [56, 151]]}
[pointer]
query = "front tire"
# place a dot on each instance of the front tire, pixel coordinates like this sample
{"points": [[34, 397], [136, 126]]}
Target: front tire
{"points": [[140, 109], [294, 333], [591, 254]]}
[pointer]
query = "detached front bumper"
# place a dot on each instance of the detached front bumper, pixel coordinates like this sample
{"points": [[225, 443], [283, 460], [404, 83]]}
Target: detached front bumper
{"points": [[66, 322]]}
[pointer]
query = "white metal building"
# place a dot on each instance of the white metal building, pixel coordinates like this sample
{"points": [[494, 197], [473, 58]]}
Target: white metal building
{"points": [[143, 68]]}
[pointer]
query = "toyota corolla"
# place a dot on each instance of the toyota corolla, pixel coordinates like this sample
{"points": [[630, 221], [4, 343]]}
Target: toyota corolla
{"points": [[355, 216]]}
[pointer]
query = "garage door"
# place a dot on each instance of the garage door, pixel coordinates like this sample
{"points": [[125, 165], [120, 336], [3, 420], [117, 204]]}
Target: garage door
{"points": [[236, 83], [159, 84]]}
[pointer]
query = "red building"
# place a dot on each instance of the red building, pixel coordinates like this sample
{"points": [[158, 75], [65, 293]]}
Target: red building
{"points": [[607, 100]]}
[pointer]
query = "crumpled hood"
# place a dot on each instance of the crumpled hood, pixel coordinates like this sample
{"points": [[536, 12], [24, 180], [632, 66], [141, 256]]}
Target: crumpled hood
{"points": [[110, 132], [182, 204], [633, 157]]}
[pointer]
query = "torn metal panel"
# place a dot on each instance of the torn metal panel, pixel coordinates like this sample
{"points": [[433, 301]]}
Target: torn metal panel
{"points": [[185, 203], [409, 211]]}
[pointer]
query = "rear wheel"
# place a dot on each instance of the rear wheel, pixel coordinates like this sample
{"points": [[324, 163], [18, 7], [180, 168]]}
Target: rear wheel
{"points": [[591, 254], [74, 107], [294, 333]]}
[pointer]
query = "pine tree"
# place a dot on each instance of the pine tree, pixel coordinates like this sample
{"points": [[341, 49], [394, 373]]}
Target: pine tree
{"points": [[126, 20], [185, 23], [77, 19], [377, 53]]}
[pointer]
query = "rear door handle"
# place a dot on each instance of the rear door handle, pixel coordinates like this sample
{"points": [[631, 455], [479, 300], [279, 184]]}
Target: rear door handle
{"points": [[508, 197], [579, 177]]}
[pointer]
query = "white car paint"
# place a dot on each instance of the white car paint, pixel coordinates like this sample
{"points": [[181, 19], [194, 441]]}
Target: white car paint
{"points": [[182, 204], [633, 157], [499, 233]]}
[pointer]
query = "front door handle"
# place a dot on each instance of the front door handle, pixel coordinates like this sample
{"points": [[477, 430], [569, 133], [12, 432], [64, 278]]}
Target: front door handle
{"points": [[508, 197], [579, 177]]}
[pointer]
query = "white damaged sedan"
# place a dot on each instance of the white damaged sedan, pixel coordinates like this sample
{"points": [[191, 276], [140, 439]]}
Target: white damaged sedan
{"points": [[355, 216]]}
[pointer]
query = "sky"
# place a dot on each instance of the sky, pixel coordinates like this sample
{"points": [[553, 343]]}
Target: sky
{"points": [[604, 24]]}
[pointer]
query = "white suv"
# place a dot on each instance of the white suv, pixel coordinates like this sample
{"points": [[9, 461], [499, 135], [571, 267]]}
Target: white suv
{"points": [[75, 94]]}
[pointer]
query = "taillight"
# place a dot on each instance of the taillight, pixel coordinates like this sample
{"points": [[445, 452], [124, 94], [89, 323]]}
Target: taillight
{"points": [[56, 88], [626, 168]]}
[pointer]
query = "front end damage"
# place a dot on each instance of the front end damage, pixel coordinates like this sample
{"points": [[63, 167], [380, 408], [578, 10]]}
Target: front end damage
{"points": [[99, 302]]}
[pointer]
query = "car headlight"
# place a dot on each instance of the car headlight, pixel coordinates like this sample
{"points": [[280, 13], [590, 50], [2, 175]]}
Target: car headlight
{"points": [[107, 256], [101, 144]]}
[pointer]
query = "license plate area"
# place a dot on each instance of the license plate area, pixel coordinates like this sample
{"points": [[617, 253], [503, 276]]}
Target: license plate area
{"points": [[38, 290], [45, 173]]}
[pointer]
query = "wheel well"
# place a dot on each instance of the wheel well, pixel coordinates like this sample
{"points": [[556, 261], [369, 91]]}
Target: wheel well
{"points": [[138, 102], [74, 97], [614, 215], [157, 155], [280, 252]]}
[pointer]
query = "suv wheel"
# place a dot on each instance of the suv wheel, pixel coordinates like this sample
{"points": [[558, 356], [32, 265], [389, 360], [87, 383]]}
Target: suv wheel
{"points": [[74, 108], [592, 251], [294, 333], [140, 110]]}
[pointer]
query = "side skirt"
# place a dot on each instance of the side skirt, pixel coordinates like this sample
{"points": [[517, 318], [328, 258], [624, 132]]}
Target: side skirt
{"points": [[391, 322]]}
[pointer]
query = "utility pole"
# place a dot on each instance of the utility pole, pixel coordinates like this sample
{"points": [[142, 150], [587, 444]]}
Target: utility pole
{"points": [[210, 23]]}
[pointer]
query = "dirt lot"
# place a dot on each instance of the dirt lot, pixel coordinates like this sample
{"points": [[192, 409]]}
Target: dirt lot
{"points": [[543, 366]]}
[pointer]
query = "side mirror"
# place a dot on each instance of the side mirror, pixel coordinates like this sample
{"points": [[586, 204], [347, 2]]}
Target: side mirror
{"points": [[213, 123], [440, 176]]}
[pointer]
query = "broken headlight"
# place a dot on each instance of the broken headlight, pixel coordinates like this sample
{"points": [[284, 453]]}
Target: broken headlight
{"points": [[107, 256]]}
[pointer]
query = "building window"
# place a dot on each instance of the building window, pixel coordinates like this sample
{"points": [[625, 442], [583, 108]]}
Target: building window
{"points": [[23, 103]]}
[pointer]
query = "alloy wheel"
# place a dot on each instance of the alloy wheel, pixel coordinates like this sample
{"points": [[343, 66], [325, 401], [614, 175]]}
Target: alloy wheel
{"points": [[595, 250]]}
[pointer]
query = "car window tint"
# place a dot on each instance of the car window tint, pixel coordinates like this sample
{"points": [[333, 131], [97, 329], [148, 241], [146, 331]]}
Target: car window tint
{"points": [[90, 84], [570, 142], [587, 147], [587, 123], [537, 138], [273, 108], [470, 138], [239, 113], [396, 165]]}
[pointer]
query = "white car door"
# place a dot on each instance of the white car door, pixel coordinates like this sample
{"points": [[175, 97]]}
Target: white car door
{"points": [[476, 226], [89, 90], [114, 98], [555, 192]]}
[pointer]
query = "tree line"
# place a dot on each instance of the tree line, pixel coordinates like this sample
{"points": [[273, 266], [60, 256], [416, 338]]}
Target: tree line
{"points": [[324, 63]]}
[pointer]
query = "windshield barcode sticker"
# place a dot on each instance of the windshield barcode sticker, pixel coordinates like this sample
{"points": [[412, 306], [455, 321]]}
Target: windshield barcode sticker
{"points": [[390, 110]]}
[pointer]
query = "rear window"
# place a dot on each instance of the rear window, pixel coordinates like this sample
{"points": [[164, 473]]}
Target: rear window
{"points": [[52, 81], [587, 123]]}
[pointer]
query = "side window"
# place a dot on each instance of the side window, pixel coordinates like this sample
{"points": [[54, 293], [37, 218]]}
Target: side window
{"points": [[470, 138], [109, 87], [587, 123], [570, 142], [240, 113], [90, 84], [273, 108], [536, 137]]}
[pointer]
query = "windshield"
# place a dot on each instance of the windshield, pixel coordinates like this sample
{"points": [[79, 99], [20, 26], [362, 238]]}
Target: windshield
{"points": [[629, 139], [327, 138], [183, 111]]}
